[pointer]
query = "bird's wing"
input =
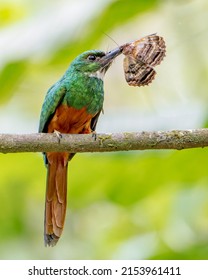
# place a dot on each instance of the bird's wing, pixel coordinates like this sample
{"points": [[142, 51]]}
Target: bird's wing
{"points": [[53, 98], [94, 121]]}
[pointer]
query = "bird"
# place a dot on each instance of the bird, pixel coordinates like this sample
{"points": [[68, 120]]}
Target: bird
{"points": [[72, 105]]}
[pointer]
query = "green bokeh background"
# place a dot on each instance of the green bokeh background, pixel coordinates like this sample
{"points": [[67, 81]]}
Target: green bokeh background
{"points": [[130, 205]]}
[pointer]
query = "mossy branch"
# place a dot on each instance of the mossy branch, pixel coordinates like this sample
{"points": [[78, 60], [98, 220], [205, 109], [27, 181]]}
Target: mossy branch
{"points": [[111, 142]]}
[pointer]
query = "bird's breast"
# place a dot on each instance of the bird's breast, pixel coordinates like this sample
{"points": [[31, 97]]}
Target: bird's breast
{"points": [[85, 91], [70, 120]]}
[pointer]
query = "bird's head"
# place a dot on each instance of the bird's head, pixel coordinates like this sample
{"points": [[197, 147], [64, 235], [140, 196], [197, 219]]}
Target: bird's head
{"points": [[94, 63]]}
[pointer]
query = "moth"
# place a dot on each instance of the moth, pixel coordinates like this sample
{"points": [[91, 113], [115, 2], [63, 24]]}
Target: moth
{"points": [[141, 56]]}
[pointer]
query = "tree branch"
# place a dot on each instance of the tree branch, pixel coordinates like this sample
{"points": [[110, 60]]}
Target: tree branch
{"points": [[111, 142]]}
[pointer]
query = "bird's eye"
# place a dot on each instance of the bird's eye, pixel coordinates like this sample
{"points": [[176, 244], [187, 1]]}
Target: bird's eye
{"points": [[91, 57]]}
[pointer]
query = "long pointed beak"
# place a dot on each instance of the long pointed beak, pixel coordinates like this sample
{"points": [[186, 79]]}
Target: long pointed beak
{"points": [[106, 60]]}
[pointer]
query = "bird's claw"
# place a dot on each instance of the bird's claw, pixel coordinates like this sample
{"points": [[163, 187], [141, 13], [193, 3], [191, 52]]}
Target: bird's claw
{"points": [[58, 135], [94, 135]]}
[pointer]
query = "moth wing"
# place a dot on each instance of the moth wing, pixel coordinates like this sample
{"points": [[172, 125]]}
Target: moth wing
{"points": [[137, 73], [150, 50]]}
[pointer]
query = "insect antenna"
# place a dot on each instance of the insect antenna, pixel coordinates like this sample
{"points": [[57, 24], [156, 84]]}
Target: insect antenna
{"points": [[110, 38]]}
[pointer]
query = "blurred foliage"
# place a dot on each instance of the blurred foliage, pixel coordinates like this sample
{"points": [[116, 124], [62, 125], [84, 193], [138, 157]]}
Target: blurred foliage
{"points": [[10, 77], [135, 205], [11, 12], [126, 205]]}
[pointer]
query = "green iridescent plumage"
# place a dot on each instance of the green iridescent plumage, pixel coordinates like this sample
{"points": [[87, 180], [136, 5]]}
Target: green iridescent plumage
{"points": [[81, 86]]}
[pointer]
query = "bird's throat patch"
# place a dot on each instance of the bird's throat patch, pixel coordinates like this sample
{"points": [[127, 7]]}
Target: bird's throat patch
{"points": [[98, 74]]}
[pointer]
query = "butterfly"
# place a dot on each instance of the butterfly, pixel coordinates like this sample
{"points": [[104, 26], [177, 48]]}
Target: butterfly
{"points": [[141, 56]]}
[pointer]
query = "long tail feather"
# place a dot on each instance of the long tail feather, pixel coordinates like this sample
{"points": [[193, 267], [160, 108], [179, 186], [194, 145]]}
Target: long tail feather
{"points": [[56, 197]]}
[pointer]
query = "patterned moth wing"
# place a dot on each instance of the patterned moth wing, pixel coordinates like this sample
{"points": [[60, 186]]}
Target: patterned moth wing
{"points": [[140, 58], [138, 73]]}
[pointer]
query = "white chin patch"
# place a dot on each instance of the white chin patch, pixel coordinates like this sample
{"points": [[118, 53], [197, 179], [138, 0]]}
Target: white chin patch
{"points": [[98, 75]]}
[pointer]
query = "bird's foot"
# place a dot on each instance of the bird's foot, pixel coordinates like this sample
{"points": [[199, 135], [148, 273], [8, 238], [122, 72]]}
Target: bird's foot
{"points": [[94, 135], [58, 135]]}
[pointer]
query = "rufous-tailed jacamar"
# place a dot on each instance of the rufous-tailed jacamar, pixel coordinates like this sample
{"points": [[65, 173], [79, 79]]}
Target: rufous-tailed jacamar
{"points": [[72, 105]]}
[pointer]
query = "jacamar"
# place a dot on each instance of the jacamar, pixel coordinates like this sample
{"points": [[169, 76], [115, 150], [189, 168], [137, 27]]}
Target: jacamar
{"points": [[72, 105]]}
